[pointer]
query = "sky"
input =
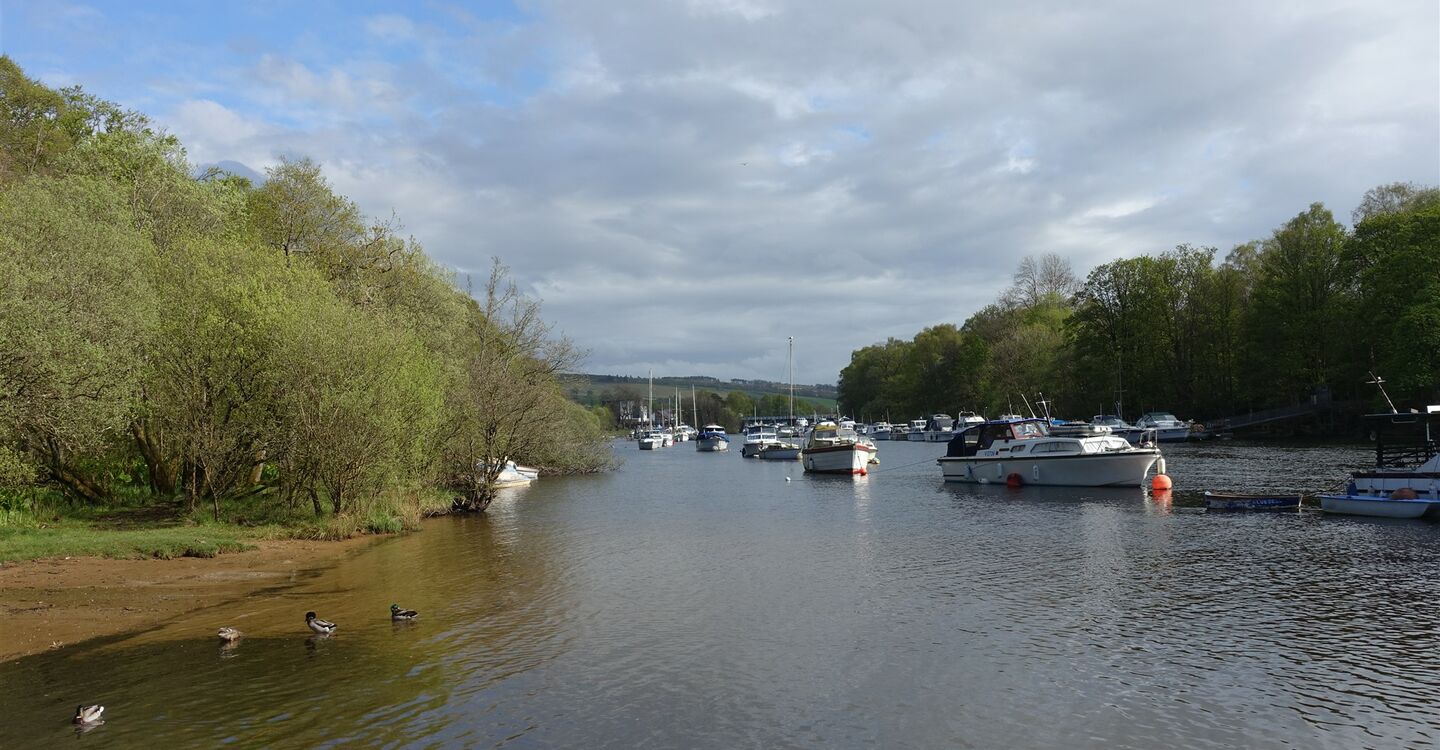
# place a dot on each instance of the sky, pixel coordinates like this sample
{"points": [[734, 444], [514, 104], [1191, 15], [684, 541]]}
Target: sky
{"points": [[687, 183]]}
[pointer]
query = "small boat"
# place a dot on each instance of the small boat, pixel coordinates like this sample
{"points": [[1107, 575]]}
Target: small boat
{"points": [[757, 438], [1405, 482], [1121, 428], [779, 451], [651, 440], [915, 433], [880, 431], [939, 428], [1234, 501], [832, 449], [1168, 428], [712, 439], [1019, 450]]}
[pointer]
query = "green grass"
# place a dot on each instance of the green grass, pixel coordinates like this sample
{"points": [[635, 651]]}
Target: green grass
{"points": [[140, 528], [74, 539]]}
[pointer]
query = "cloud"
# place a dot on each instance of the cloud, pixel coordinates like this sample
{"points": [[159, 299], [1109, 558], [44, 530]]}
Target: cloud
{"points": [[686, 184]]}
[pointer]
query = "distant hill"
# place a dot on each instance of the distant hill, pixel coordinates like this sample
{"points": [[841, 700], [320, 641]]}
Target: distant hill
{"points": [[592, 389]]}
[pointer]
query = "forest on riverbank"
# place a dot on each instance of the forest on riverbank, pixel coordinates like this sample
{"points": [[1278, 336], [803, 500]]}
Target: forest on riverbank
{"points": [[1306, 313], [188, 342]]}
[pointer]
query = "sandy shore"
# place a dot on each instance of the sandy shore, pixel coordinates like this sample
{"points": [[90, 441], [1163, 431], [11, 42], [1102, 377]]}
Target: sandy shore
{"points": [[53, 603]]}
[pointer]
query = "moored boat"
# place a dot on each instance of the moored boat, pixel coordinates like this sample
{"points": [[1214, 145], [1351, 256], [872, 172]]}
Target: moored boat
{"points": [[1022, 451], [712, 439], [757, 438], [1237, 501], [650, 440], [939, 428], [1168, 428], [779, 451], [1405, 482], [832, 449], [915, 433]]}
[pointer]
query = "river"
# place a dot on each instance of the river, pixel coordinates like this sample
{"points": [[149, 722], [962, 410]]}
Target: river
{"points": [[695, 600]]}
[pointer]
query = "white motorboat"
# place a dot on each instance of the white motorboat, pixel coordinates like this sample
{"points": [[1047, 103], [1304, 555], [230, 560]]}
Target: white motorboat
{"points": [[832, 449], [779, 451], [1120, 428], [939, 428], [880, 431], [756, 438], [967, 418], [1168, 429], [915, 432], [651, 440], [712, 439], [1405, 482], [513, 475], [1022, 451]]}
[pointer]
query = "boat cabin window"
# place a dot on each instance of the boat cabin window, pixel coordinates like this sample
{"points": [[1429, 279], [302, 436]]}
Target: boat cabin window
{"points": [[1027, 430], [825, 435], [965, 443]]}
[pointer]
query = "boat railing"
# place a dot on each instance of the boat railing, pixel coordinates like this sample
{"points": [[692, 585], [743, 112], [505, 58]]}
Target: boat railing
{"points": [[1405, 455]]}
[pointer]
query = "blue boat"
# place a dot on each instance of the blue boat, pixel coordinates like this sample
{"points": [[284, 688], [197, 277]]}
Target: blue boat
{"points": [[1233, 501]]}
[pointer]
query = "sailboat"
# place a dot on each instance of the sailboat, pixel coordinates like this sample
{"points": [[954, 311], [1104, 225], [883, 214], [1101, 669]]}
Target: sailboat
{"points": [[650, 438], [778, 449]]}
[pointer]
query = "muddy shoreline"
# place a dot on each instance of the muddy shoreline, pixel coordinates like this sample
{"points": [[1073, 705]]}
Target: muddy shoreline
{"points": [[61, 602]]}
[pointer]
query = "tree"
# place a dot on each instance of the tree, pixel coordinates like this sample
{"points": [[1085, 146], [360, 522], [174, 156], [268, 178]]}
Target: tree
{"points": [[1396, 197], [508, 372], [1038, 280], [76, 301]]}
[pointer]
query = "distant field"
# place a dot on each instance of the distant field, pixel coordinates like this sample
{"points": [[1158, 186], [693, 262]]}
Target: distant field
{"points": [[591, 389]]}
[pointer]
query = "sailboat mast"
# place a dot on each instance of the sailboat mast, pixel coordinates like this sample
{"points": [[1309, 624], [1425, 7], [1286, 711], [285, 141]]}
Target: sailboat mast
{"points": [[791, 359], [650, 400], [694, 407]]}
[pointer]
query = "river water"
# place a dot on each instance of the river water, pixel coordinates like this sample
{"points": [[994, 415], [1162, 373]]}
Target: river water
{"points": [[695, 600]]}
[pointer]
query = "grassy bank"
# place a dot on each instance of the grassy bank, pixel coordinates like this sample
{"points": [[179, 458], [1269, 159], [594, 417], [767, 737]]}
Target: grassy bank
{"points": [[48, 525]]}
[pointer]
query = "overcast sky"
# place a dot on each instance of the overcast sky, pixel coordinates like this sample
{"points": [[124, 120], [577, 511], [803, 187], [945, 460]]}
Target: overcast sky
{"points": [[686, 183]]}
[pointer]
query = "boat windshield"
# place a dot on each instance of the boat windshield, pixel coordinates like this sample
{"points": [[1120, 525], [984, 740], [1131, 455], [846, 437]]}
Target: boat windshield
{"points": [[1027, 430]]}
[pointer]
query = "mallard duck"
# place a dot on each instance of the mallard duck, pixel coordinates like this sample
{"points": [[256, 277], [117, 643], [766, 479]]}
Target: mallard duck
{"points": [[230, 635], [402, 614], [88, 714], [323, 627]]}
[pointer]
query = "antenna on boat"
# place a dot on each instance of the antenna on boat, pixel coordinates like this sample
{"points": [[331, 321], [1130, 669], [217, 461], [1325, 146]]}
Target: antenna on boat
{"points": [[1379, 382], [1044, 405], [1027, 405]]}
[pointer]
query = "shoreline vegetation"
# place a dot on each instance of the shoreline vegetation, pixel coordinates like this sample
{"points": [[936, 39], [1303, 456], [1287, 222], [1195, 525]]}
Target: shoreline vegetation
{"points": [[1302, 317], [192, 363]]}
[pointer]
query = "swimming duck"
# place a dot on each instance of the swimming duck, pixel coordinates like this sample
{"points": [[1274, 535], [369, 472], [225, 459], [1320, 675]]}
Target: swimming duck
{"points": [[230, 635], [88, 714], [402, 614], [323, 627]]}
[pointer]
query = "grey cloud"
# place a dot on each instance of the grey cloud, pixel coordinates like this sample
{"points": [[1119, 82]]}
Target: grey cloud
{"points": [[689, 184]]}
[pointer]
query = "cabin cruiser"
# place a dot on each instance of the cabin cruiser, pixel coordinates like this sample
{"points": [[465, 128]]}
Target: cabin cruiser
{"points": [[1405, 482], [650, 440], [832, 449], [757, 437], [880, 431], [1168, 429], [915, 433], [1121, 428], [1022, 451], [712, 439], [939, 428]]}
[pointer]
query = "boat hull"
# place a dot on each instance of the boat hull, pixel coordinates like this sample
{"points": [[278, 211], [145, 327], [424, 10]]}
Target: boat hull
{"points": [[712, 445], [1122, 469], [649, 444], [1377, 507], [776, 453], [1229, 502], [915, 437], [839, 459], [938, 436]]}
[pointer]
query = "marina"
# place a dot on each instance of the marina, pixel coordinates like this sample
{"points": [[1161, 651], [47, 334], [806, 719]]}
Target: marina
{"points": [[893, 609]]}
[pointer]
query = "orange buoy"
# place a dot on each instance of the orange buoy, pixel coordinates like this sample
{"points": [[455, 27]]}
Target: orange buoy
{"points": [[1014, 480], [862, 472], [1160, 482]]}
